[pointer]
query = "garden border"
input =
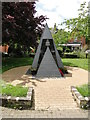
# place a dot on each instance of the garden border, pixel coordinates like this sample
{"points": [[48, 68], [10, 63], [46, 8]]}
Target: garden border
{"points": [[18, 102], [82, 102]]}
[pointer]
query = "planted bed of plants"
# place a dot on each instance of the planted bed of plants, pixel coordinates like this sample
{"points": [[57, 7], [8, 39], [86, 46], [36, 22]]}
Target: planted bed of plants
{"points": [[16, 97]]}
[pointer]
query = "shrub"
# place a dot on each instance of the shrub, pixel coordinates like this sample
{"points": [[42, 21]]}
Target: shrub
{"points": [[81, 54], [67, 49], [70, 55], [75, 54]]}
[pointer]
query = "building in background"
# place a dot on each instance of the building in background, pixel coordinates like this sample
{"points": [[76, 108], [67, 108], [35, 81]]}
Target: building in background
{"points": [[75, 43]]}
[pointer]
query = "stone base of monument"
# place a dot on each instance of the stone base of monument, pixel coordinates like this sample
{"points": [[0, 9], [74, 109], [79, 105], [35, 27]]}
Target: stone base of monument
{"points": [[34, 72], [68, 74]]}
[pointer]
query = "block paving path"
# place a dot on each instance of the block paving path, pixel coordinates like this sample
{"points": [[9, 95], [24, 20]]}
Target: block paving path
{"points": [[11, 113], [52, 96]]}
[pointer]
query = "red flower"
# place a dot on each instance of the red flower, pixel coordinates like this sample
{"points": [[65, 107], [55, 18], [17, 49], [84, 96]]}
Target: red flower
{"points": [[61, 72], [33, 51]]}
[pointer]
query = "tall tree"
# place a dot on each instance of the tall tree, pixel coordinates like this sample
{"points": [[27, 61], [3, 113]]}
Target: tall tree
{"points": [[60, 37], [19, 24], [78, 26]]}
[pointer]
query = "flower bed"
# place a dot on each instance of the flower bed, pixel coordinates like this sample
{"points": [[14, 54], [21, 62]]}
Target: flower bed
{"points": [[18, 102], [10, 90]]}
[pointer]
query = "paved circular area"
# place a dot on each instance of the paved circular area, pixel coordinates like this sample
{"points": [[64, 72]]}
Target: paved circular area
{"points": [[50, 94], [14, 73]]}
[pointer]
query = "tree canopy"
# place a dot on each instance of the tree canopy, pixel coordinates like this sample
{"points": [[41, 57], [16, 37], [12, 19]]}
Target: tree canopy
{"points": [[60, 36], [19, 23], [78, 26]]}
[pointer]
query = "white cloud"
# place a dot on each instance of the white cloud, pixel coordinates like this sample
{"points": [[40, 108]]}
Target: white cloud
{"points": [[53, 17], [58, 10]]}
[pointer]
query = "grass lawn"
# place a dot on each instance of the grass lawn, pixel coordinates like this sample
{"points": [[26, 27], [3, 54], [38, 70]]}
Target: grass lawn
{"points": [[9, 63], [81, 63], [17, 91], [84, 90]]}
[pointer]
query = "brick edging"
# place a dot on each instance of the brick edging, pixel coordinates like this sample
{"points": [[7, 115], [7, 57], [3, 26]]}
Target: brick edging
{"points": [[82, 102], [20, 102]]}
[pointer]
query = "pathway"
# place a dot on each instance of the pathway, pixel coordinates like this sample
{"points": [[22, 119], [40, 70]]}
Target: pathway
{"points": [[53, 94], [11, 113]]}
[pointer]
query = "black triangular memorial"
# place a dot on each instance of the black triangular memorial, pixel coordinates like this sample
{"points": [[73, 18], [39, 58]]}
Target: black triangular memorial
{"points": [[41, 56], [48, 67]]}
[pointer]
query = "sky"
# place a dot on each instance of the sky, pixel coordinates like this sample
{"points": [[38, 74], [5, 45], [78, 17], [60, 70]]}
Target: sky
{"points": [[58, 10]]}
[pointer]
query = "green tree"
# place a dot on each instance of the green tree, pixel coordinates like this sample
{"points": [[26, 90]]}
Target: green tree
{"points": [[60, 37], [20, 26], [78, 26]]}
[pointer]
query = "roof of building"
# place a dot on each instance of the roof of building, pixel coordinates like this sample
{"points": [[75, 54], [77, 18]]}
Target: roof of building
{"points": [[71, 44]]}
